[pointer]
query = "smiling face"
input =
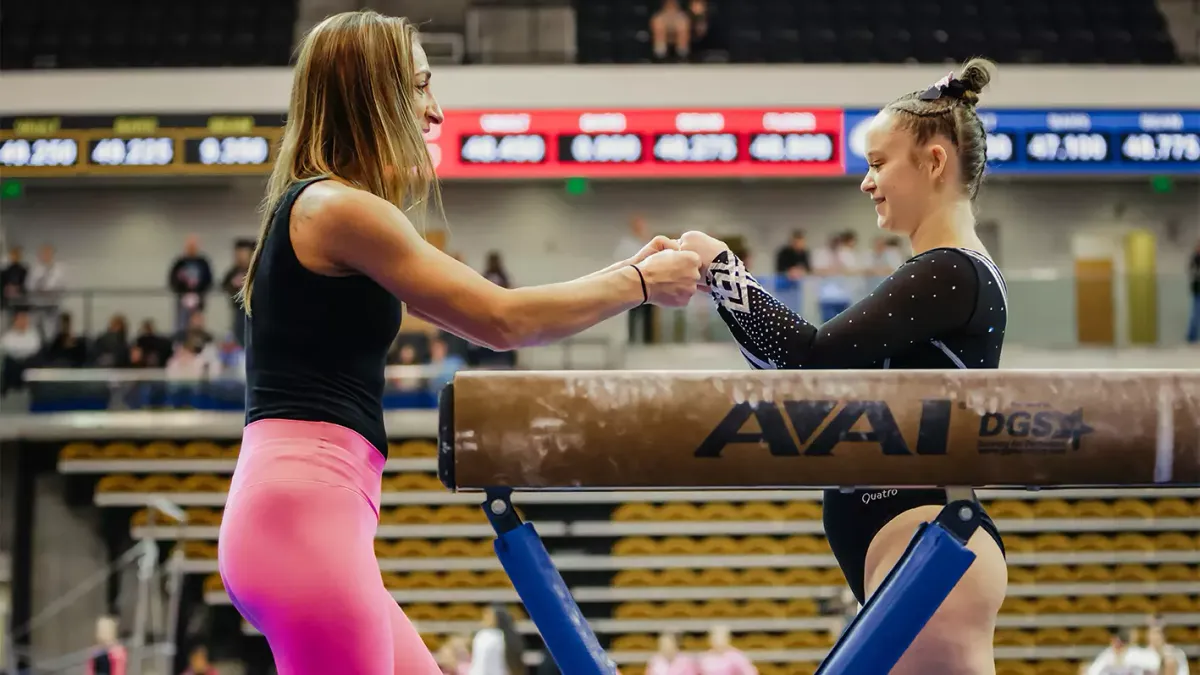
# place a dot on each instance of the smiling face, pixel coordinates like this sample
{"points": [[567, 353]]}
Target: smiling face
{"points": [[904, 179]]}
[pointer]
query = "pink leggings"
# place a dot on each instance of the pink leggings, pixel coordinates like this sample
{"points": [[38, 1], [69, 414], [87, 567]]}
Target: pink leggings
{"points": [[297, 553]]}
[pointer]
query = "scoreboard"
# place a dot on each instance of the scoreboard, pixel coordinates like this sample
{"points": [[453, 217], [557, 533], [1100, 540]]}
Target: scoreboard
{"points": [[138, 145], [599, 143]]}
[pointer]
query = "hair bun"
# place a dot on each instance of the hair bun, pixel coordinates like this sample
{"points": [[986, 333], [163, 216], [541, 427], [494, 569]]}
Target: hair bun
{"points": [[975, 75]]}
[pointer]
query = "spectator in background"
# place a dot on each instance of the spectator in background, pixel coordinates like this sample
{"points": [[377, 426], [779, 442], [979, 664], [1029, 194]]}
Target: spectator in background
{"points": [[198, 663], [668, 661], [108, 656], [152, 349], [1193, 334], [65, 349], [111, 348], [232, 358], [838, 266], [13, 279], [791, 266], [497, 648], [232, 285], [1172, 660], [47, 279], [444, 364], [19, 347], [1123, 657], [885, 259], [454, 657], [723, 658], [641, 318], [493, 270], [674, 25], [194, 336], [406, 355], [190, 280]]}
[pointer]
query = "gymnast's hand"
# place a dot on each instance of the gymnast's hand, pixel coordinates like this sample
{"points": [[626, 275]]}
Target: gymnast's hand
{"points": [[671, 277], [704, 246]]}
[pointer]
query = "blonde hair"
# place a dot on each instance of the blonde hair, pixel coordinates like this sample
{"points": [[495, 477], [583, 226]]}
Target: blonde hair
{"points": [[353, 114]]}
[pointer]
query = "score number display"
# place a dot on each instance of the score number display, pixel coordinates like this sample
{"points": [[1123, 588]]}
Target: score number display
{"points": [[1110, 142]]}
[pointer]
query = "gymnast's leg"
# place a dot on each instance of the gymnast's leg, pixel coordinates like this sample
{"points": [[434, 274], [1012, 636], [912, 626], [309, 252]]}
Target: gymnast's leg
{"points": [[958, 640]]}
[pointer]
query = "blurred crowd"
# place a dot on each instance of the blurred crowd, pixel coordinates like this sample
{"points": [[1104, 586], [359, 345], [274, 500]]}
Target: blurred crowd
{"points": [[1139, 652]]}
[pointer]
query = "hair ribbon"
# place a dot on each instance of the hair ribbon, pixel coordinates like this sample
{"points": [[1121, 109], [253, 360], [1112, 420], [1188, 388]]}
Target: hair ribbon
{"points": [[949, 86]]}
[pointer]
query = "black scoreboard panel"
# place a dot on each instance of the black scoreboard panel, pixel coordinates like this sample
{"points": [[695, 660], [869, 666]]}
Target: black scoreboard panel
{"points": [[136, 145]]}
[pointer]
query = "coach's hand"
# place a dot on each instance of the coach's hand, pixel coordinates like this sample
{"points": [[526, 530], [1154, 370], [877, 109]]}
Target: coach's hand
{"points": [[671, 277], [659, 243]]}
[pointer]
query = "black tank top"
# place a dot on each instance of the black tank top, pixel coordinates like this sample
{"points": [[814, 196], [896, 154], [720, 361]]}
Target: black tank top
{"points": [[316, 345]]}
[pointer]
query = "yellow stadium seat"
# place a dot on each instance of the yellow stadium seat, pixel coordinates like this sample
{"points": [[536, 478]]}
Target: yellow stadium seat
{"points": [[158, 450], [802, 510], [412, 548], [1092, 635], [720, 512], [418, 448], [1054, 605], [408, 515], [384, 550], [409, 481], [118, 483], [717, 577], [694, 643], [1010, 509], [762, 546], [1093, 604], [214, 584], [1011, 637], [677, 577], [797, 576], [1094, 574], [200, 549], [1171, 508], [1051, 542], [459, 515], [1015, 605], [494, 579], [231, 451], [1054, 637], [200, 516], [1052, 508], [1015, 668], [806, 668], [79, 451], [1092, 542], [1176, 602], [800, 545], [459, 612], [831, 576], [1174, 541], [424, 612], [764, 609], [1021, 575], [1134, 604], [164, 483], [634, 643], [424, 580], [1091, 508], [119, 451], [762, 511], [201, 450], [1132, 541], [1019, 544], [678, 546], [804, 640], [461, 548], [634, 512], [1054, 574], [678, 511], [1133, 573], [714, 609], [1132, 508], [635, 546], [1180, 634], [461, 579], [758, 641], [635, 578], [1057, 667], [719, 546], [392, 580], [633, 669], [800, 607]]}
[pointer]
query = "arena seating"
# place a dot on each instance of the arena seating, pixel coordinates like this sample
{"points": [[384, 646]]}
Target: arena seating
{"points": [[892, 31], [137, 34], [1079, 562]]}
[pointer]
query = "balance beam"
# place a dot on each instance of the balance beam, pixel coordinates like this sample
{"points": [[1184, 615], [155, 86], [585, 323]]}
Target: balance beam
{"points": [[811, 429]]}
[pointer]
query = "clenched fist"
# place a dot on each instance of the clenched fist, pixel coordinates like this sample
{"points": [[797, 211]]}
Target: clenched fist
{"points": [[671, 277]]}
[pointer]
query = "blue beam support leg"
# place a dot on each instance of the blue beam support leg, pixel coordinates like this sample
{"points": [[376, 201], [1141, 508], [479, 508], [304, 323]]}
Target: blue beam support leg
{"points": [[936, 559], [567, 635]]}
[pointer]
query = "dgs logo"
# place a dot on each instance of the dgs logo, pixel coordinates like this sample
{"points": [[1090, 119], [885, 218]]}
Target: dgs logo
{"points": [[1037, 430]]}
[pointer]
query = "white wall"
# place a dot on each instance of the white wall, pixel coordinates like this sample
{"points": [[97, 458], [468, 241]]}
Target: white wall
{"points": [[124, 237]]}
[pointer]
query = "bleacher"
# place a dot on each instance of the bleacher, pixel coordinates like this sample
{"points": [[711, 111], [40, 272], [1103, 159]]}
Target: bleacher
{"points": [[1081, 561], [892, 31]]}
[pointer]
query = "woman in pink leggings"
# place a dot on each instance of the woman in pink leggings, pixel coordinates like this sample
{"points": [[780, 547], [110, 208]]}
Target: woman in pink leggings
{"points": [[335, 256]]}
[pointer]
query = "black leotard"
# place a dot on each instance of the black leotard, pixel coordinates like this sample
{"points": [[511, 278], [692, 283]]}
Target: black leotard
{"points": [[945, 308], [316, 345]]}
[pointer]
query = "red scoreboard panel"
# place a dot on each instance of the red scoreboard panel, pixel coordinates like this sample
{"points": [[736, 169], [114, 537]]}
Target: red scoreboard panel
{"points": [[639, 143]]}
